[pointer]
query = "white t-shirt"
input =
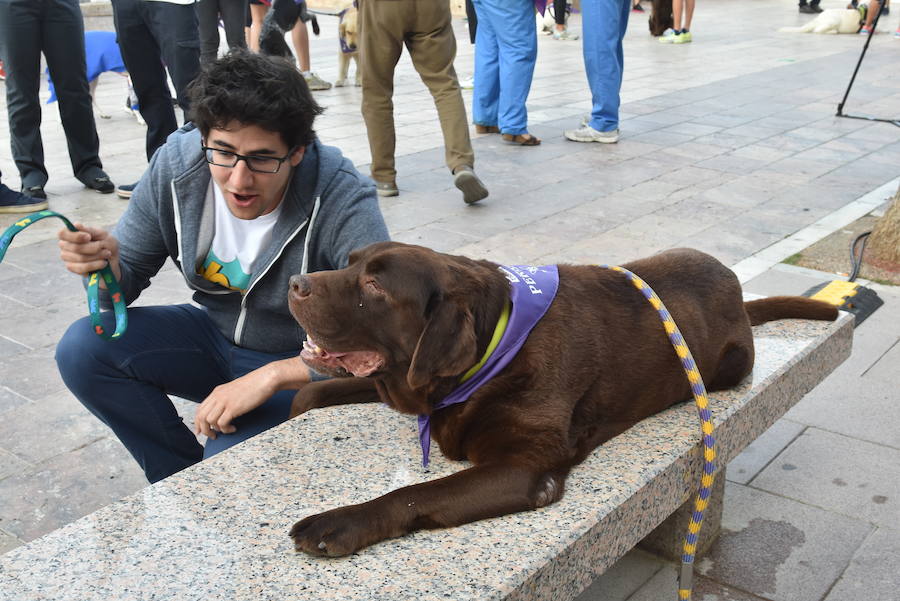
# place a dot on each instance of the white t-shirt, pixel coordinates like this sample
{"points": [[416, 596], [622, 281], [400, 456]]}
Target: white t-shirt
{"points": [[237, 244]]}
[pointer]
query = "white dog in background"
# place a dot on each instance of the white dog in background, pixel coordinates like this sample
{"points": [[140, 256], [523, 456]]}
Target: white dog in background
{"points": [[349, 46], [833, 20]]}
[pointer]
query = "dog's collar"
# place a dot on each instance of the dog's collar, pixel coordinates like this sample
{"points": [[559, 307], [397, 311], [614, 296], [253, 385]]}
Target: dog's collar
{"points": [[531, 291], [499, 330]]}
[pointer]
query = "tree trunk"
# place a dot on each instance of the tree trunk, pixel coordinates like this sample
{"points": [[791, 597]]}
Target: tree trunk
{"points": [[884, 243]]}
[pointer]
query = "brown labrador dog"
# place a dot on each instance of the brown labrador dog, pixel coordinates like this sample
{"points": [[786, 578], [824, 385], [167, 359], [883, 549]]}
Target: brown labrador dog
{"points": [[405, 322]]}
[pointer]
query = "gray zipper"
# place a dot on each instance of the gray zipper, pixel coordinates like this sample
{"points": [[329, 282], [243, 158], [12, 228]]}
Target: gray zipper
{"points": [[239, 327]]}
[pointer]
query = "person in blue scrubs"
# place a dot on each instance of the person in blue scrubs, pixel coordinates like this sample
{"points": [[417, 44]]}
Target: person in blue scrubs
{"points": [[505, 53], [603, 24]]}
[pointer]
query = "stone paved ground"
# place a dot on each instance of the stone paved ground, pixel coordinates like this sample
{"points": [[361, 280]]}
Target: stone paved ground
{"points": [[729, 145]]}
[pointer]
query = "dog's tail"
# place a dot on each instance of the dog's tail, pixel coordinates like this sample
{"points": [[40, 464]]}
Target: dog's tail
{"points": [[788, 307]]}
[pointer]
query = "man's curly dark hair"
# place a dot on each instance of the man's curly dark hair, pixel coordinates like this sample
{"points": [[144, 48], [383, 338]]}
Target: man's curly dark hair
{"points": [[253, 89]]}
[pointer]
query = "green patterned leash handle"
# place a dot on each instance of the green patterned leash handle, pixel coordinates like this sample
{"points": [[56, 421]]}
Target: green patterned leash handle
{"points": [[685, 579], [93, 287]]}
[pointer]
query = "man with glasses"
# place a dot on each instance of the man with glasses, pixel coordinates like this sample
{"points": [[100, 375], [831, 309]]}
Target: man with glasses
{"points": [[240, 200]]}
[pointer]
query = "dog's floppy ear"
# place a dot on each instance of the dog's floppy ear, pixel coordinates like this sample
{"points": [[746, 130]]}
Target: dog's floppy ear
{"points": [[446, 347]]}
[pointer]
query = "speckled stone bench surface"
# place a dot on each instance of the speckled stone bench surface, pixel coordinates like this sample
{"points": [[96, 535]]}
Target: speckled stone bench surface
{"points": [[219, 529]]}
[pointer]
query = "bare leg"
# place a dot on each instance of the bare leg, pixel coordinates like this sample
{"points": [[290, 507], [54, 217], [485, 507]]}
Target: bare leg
{"points": [[688, 13], [300, 37], [257, 14], [874, 8], [677, 10]]}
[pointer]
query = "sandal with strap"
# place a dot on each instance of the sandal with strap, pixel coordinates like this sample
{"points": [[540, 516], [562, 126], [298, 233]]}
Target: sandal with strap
{"points": [[486, 129], [521, 139]]}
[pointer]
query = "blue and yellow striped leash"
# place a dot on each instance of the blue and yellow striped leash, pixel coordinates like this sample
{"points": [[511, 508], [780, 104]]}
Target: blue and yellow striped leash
{"points": [[93, 286], [685, 579]]}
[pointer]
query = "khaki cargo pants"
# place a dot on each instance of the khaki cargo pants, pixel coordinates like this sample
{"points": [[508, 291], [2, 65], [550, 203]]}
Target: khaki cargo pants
{"points": [[385, 26]]}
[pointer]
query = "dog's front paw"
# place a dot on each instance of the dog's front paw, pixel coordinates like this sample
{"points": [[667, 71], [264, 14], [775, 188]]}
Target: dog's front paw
{"points": [[335, 533], [340, 83]]}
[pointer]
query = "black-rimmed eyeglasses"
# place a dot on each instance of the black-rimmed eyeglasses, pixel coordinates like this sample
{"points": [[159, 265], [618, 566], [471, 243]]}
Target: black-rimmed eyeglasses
{"points": [[259, 164]]}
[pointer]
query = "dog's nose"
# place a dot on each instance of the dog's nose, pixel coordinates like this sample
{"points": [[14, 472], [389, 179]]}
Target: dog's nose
{"points": [[300, 285]]}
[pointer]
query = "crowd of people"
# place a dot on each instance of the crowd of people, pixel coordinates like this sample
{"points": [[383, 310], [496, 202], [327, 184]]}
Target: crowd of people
{"points": [[167, 41]]}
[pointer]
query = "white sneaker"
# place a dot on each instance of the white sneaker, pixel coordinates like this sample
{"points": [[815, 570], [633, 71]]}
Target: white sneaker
{"points": [[586, 133]]}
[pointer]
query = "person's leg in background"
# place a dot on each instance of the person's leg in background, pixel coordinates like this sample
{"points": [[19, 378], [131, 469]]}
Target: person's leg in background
{"points": [[175, 28], [63, 35], [380, 44], [561, 32], [682, 13], [20, 43], [604, 23], [258, 12], [233, 13], [300, 38], [208, 29], [471, 20], [143, 59], [516, 32], [486, 94], [432, 49]]}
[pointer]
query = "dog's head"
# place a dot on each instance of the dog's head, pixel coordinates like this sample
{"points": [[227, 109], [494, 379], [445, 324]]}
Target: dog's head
{"points": [[348, 28], [397, 312], [661, 17]]}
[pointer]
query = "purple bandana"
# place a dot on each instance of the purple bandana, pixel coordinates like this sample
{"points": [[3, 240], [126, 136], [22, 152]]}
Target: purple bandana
{"points": [[531, 291]]}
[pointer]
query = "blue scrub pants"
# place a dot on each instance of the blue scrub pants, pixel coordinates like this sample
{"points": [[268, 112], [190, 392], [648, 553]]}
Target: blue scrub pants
{"points": [[505, 52], [165, 350], [603, 27]]}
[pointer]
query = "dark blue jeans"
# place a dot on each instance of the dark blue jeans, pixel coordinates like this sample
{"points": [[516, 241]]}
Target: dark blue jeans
{"points": [[166, 350]]}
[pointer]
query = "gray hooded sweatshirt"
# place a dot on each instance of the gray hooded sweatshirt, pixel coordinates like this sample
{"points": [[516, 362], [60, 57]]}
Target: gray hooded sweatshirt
{"points": [[329, 210]]}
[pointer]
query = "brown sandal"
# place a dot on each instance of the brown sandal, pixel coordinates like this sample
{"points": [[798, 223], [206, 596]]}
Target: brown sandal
{"points": [[521, 139], [486, 129]]}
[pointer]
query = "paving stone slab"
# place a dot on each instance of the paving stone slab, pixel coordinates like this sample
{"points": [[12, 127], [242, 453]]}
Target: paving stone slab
{"points": [[51, 426], [663, 586], [760, 452], [8, 542], [872, 574], [10, 464], [10, 400], [66, 488], [31, 374], [779, 549], [842, 474], [620, 581]]}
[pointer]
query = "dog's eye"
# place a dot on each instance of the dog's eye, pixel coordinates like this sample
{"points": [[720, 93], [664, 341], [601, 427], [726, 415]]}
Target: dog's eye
{"points": [[373, 287]]}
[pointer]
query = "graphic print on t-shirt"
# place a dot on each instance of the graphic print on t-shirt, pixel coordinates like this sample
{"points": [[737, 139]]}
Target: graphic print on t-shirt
{"points": [[229, 274], [237, 244]]}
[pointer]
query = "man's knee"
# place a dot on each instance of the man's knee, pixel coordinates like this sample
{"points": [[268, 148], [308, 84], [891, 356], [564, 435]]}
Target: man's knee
{"points": [[76, 356]]}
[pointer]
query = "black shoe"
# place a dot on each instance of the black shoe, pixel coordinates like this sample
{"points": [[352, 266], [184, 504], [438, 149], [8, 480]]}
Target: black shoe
{"points": [[16, 202], [35, 192], [101, 184], [816, 8], [125, 190], [885, 9]]}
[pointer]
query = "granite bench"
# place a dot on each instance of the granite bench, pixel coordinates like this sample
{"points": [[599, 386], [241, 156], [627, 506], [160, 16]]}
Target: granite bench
{"points": [[219, 530]]}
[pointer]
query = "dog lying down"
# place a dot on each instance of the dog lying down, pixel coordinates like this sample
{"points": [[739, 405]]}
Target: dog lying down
{"points": [[403, 324], [833, 20]]}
